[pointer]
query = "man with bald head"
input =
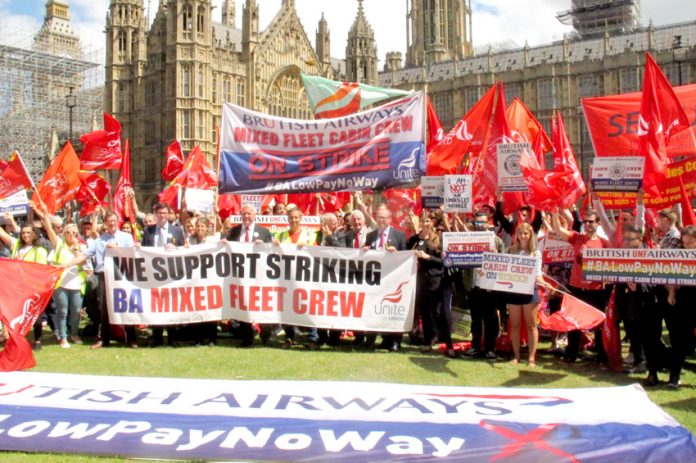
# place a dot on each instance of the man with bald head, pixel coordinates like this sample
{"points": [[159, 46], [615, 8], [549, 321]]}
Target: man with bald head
{"points": [[250, 232]]}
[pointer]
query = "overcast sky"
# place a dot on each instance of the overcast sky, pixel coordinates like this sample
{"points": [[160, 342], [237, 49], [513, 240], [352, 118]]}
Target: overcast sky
{"points": [[494, 21]]}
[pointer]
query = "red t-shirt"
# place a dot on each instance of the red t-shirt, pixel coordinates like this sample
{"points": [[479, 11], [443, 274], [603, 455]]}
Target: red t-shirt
{"points": [[579, 242]]}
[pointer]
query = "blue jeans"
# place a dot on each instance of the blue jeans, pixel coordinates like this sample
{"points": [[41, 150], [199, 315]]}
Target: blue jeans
{"points": [[68, 304]]}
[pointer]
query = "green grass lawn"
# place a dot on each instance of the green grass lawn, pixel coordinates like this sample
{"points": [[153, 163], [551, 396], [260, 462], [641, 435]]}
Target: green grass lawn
{"points": [[226, 361]]}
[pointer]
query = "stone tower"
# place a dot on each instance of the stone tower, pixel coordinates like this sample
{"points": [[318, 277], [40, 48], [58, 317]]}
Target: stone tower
{"points": [[437, 30], [361, 51], [126, 32], [323, 42]]}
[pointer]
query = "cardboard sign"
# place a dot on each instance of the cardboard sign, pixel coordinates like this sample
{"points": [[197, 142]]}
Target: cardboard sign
{"points": [[432, 192], [509, 273], [615, 173], [465, 249], [510, 177], [458, 193]]}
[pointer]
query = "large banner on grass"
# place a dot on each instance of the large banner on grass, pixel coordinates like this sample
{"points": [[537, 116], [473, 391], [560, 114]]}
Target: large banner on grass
{"points": [[264, 283], [649, 266], [376, 149], [302, 421]]}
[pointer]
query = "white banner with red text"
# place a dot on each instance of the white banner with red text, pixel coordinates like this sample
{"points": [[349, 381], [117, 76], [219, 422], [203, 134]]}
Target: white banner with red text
{"points": [[262, 283], [330, 421]]}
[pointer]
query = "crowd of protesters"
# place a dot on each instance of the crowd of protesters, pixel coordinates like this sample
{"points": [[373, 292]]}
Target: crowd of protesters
{"points": [[79, 307]]}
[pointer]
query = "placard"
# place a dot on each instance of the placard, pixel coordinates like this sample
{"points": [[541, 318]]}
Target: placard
{"points": [[615, 173], [458, 193], [509, 273], [432, 192], [510, 177], [199, 200], [16, 204], [647, 266], [465, 249]]}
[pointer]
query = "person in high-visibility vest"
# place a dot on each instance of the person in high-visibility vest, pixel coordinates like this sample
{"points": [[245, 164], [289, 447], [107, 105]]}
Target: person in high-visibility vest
{"points": [[71, 287], [302, 237]]}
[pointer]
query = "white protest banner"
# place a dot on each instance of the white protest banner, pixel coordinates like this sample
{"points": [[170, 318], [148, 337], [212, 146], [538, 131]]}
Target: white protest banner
{"points": [[510, 177], [458, 192], [310, 286], [509, 273], [432, 192], [465, 249], [648, 266], [199, 200], [375, 149], [279, 223], [617, 173], [311, 421], [15, 204]]}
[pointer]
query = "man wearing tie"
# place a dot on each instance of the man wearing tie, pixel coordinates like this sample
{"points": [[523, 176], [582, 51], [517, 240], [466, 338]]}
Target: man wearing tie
{"points": [[386, 238], [168, 236], [250, 232]]}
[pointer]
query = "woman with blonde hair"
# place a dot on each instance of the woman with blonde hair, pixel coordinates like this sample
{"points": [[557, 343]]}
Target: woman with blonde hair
{"points": [[525, 306]]}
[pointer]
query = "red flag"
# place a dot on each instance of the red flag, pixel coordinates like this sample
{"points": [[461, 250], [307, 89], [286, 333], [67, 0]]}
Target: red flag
{"points": [[661, 116], [93, 186], [121, 203], [564, 161], [611, 337], [102, 147], [174, 161], [435, 131], [228, 204], [25, 289], [573, 315], [526, 128], [61, 181], [195, 174], [3, 164], [688, 217], [543, 187], [14, 176], [467, 136]]}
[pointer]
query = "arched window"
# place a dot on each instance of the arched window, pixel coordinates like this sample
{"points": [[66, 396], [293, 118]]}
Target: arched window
{"points": [[186, 17], [201, 88], [200, 20], [121, 41], [287, 97], [214, 89], [186, 81]]}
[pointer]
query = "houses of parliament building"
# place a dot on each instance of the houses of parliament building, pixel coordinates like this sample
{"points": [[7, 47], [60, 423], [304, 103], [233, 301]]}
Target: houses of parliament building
{"points": [[169, 80]]}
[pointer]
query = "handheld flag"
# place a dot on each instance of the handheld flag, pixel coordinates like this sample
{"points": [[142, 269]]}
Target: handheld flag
{"points": [[61, 181], [102, 147], [14, 176], [174, 161]]}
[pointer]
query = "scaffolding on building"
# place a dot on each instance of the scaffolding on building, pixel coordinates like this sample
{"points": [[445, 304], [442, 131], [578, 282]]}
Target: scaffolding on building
{"points": [[35, 119], [591, 18]]}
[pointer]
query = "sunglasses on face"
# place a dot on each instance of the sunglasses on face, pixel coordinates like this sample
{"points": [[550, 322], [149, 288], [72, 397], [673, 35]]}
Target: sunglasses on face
{"points": [[589, 221]]}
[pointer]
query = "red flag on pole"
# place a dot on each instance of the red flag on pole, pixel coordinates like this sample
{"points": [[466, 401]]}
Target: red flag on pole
{"points": [[468, 135], [195, 174], [93, 190], [573, 315], [174, 161], [435, 131], [61, 181], [611, 336], [25, 289], [526, 128], [14, 176], [688, 217], [661, 116], [122, 205], [102, 147], [564, 161]]}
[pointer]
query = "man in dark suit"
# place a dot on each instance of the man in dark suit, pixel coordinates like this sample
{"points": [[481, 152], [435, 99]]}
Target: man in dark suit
{"points": [[168, 236], [250, 232], [389, 239]]}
